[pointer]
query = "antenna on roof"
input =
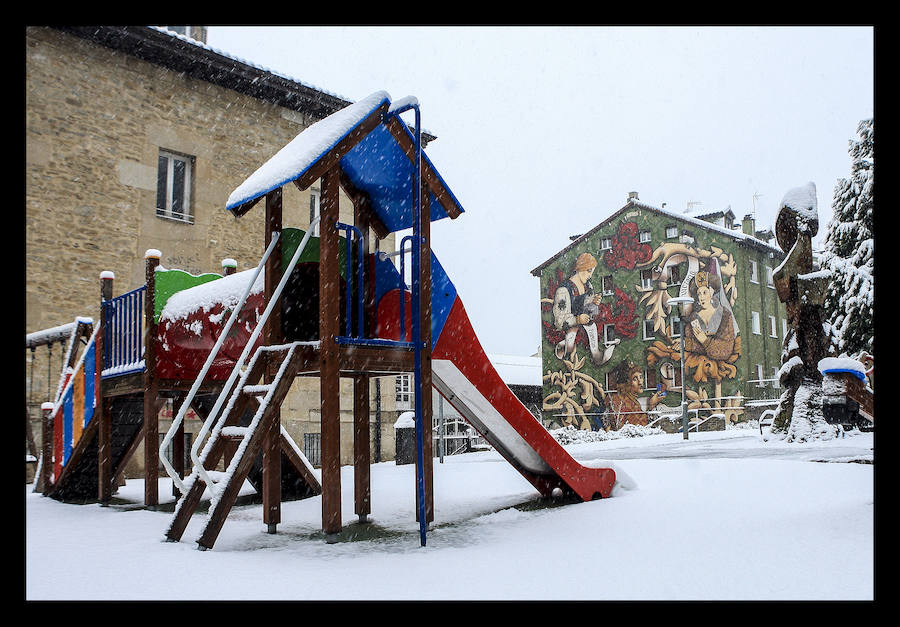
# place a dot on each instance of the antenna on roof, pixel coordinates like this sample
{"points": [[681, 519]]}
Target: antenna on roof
{"points": [[755, 196]]}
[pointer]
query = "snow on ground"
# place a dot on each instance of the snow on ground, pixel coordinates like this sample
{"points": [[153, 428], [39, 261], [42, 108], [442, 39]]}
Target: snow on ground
{"points": [[722, 516]]}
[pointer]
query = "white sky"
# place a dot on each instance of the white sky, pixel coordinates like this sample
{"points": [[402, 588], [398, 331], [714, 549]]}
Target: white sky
{"points": [[543, 131]]}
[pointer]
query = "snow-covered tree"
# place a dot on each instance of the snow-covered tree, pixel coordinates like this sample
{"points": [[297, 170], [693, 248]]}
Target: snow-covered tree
{"points": [[850, 249]]}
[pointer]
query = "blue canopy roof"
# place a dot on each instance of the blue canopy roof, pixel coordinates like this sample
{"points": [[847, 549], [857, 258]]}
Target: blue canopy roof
{"points": [[374, 148]]}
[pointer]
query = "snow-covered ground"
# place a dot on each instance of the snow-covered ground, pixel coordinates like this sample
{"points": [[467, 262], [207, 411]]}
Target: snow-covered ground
{"points": [[722, 516]]}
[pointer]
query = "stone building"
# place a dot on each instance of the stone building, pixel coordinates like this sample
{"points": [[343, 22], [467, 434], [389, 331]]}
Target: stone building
{"points": [[134, 138], [611, 344]]}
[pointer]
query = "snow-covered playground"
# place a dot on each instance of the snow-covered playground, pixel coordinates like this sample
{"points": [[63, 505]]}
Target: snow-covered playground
{"points": [[722, 516]]}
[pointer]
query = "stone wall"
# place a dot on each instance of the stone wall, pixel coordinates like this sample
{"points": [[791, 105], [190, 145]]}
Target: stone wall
{"points": [[95, 121]]}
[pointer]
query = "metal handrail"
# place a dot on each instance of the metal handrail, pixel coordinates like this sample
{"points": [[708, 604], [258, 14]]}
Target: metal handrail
{"points": [[186, 404], [359, 278], [213, 419]]}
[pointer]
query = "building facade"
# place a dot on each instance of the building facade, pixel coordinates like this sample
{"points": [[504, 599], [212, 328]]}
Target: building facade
{"points": [[611, 341], [134, 139]]}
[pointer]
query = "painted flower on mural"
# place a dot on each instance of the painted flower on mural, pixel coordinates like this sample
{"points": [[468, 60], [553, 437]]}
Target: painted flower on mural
{"points": [[627, 251]]}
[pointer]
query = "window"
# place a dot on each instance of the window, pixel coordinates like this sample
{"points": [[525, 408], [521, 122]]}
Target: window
{"points": [[773, 328], [650, 379], [671, 231], [173, 186], [754, 322], [607, 285], [675, 327], [609, 333], [610, 380], [605, 243], [312, 448], [402, 391], [754, 273], [649, 332], [770, 277], [645, 236], [674, 275], [315, 197], [759, 376], [783, 327], [775, 383], [646, 279]]}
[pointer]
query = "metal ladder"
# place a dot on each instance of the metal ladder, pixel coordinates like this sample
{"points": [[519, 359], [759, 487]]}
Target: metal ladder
{"points": [[241, 386]]}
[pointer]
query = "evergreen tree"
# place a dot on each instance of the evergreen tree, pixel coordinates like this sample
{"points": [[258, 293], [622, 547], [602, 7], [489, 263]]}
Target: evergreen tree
{"points": [[850, 249]]}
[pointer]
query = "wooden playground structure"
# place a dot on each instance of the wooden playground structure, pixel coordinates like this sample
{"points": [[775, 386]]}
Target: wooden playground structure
{"points": [[329, 307]]}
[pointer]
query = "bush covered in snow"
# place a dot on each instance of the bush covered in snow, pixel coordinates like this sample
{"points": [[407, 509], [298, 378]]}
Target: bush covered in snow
{"points": [[571, 435]]}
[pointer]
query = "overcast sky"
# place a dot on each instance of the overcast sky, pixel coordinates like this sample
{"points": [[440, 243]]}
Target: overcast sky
{"points": [[543, 131]]}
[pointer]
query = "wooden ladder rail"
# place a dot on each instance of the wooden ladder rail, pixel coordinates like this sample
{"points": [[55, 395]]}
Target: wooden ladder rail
{"points": [[244, 459]]}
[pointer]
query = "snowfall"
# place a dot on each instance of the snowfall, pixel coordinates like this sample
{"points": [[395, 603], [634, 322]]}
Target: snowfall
{"points": [[728, 515]]}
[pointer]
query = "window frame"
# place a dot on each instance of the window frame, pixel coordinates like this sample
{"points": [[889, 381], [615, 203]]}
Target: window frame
{"points": [[403, 395], [755, 324], [754, 272], [669, 229], [186, 215], [612, 285], [607, 330]]}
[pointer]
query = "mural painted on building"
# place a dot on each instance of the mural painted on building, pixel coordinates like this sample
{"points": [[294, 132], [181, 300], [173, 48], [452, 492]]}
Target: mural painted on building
{"points": [[590, 330]]}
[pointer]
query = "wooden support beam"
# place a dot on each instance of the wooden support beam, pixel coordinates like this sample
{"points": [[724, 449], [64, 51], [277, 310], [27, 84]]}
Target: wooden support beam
{"points": [[361, 448], [425, 391], [178, 443], [329, 375], [102, 411], [151, 389], [271, 458], [429, 176]]}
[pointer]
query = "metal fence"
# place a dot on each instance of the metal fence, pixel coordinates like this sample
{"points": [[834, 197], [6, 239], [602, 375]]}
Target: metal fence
{"points": [[123, 333]]}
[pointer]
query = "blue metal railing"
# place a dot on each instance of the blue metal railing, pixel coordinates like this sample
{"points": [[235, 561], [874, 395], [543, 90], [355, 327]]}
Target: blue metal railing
{"points": [[123, 333], [396, 109], [360, 292]]}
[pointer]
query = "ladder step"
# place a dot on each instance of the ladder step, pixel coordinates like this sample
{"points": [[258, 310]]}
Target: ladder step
{"points": [[234, 433], [259, 390]]}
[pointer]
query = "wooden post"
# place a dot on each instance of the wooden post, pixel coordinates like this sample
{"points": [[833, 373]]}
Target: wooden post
{"points": [[229, 266], [329, 373], [425, 321], [151, 386], [46, 446], [104, 425], [362, 457], [178, 444], [271, 447]]}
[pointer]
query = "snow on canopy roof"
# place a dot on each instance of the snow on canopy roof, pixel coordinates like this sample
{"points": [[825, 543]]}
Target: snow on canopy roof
{"points": [[377, 165]]}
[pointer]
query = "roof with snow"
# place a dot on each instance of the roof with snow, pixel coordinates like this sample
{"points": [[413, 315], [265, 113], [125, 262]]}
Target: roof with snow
{"points": [[517, 369], [737, 235], [374, 149]]}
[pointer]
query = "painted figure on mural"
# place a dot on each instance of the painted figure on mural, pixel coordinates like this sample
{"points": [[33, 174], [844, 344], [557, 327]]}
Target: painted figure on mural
{"points": [[710, 328], [624, 406], [576, 304]]}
